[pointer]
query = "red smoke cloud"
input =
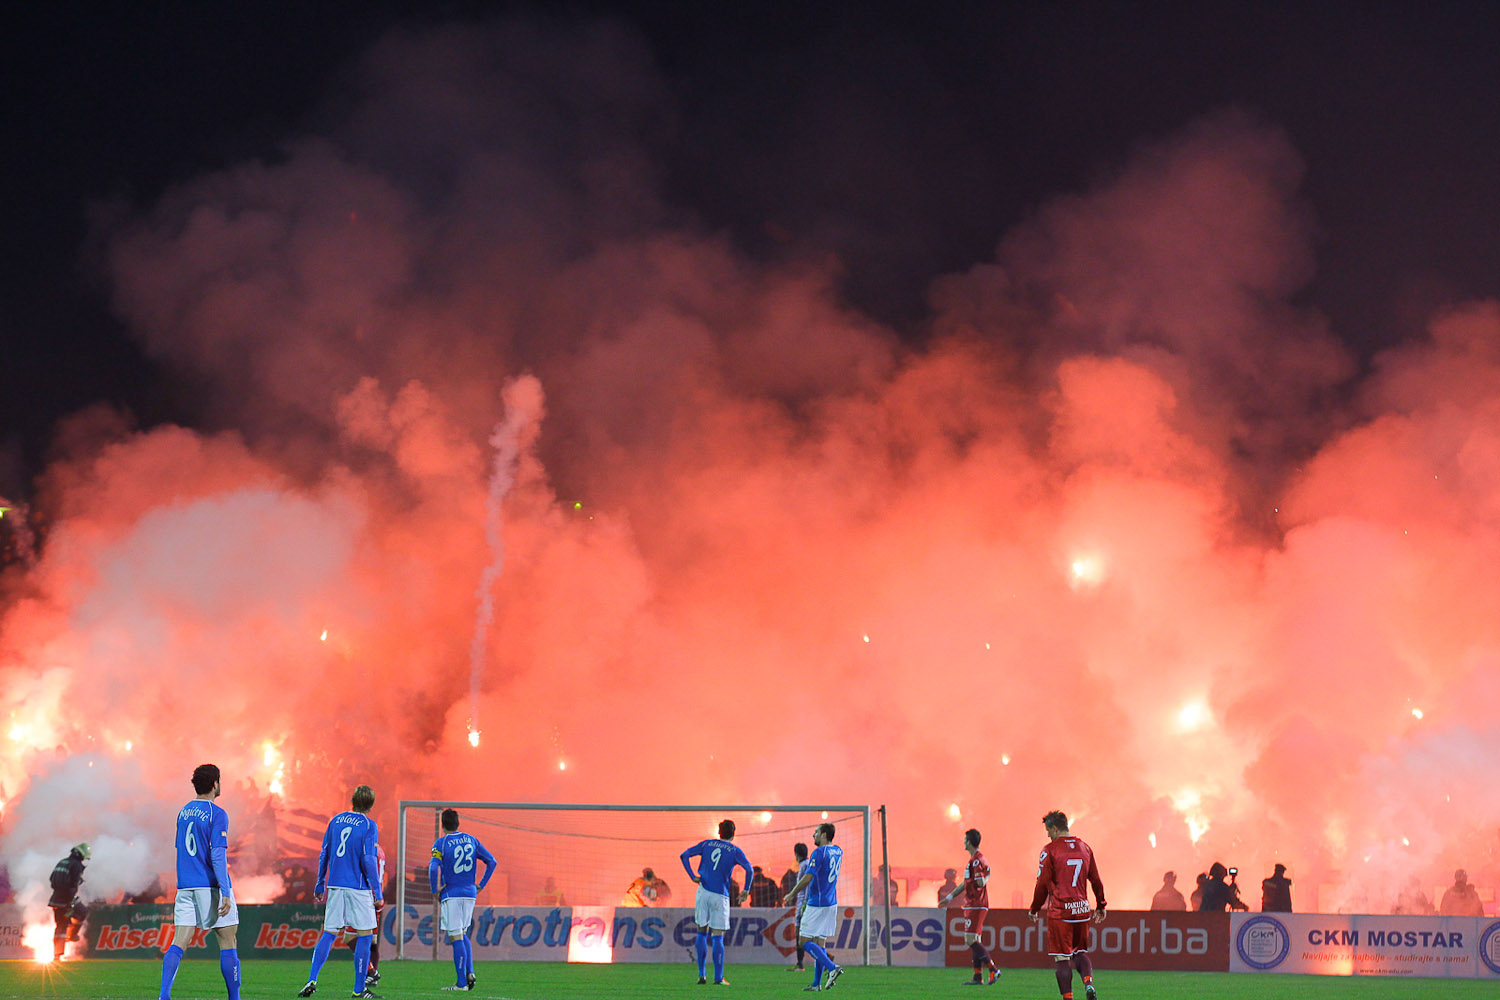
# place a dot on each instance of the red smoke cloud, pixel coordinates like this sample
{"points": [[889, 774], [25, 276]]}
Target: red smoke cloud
{"points": [[1102, 542]]}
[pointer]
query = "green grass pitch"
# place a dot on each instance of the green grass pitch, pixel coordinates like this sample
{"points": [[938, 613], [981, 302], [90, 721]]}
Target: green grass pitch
{"points": [[267, 979]]}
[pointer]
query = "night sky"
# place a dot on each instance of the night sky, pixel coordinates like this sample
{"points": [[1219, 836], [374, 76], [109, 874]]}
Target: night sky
{"points": [[904, 142]]}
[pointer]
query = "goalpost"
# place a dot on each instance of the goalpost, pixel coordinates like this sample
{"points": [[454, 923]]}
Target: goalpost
{"points": [[589, 854]]}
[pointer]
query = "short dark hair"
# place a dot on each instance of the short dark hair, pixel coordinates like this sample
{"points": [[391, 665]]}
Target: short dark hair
{"points": [[726, 829], [972, 836], [1057, 819], [364, 798], [205, 777], [827, 830], [450, 820], [799, 851]]}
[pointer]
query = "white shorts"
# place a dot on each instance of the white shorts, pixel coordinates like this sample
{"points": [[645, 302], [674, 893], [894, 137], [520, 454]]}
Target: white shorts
{"points": [[457, 914], [349, 908], [818, 921], [711, 910], [200, 908]]}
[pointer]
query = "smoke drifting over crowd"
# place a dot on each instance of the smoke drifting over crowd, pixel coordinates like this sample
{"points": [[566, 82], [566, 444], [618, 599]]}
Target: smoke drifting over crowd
{"points": [[1122, 531]]}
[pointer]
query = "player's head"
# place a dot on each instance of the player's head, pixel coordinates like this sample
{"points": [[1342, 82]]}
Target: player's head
{"points": [[971, 840], [363, 799], [726, 829], [450, 820], [1056, 823], [799, 851], [206, 779], [823, 834]]}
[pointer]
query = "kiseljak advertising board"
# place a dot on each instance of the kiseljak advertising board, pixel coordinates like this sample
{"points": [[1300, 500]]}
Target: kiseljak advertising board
{"points": [[1365, 945]]}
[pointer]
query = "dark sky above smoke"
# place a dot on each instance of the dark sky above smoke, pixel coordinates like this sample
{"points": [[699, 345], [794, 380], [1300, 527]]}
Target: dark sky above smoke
{"points": [[903, 141], [873, 369]]}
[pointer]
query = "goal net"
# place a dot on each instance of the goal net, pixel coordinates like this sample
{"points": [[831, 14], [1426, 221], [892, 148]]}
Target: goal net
{"points": [[596, 855]]}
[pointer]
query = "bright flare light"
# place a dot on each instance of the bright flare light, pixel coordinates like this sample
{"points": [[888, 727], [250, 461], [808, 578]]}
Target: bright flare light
{"points": [[1193, 716], [38, 937], [562, 765], [1416, 713], [473, 737], [1151, 837], [324, 636], [1189, 802], [765, 817], [1005, 759], [955, 813], [1086, 571]]}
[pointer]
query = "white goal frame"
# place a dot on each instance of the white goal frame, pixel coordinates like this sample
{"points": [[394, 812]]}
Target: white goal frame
{"points": [[437, 805]]}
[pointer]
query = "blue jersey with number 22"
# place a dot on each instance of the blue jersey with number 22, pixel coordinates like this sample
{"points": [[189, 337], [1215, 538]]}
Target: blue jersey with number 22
{"points": [[824, 864]]}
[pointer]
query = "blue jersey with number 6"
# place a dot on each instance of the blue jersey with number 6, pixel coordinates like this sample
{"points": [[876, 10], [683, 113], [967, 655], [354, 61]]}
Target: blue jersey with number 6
{"points": [[824, 864], [453, 859], [348, 859], [717, 861], [202, 826]]}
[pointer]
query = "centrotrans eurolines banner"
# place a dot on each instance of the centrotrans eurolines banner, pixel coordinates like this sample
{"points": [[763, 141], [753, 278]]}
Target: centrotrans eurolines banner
{"points": [[1360, 945], [630, 934]]}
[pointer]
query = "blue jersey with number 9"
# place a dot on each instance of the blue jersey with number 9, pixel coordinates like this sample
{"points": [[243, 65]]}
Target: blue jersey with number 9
{"points": [[456, 855]]}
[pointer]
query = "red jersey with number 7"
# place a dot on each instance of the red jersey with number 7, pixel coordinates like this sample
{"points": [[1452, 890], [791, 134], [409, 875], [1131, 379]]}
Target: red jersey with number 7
{"points": [[1066, 871]]}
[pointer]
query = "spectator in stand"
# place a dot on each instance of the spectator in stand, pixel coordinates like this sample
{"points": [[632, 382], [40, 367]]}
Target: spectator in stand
{"points": [[648, 890], [1276, 892], [1167, 897], [1461, 899], [153, 893], [5, 889], [734, 892], [881, 886], [1219, 895], [550, 894], [1195, 901], [763, 891], [296, 884], [68, 912], [950, 883], [1413, 902]]}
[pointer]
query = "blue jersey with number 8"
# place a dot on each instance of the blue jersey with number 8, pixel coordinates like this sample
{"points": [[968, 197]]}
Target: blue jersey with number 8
{"points": [[824, 864], [455, 855], [347, 859]]}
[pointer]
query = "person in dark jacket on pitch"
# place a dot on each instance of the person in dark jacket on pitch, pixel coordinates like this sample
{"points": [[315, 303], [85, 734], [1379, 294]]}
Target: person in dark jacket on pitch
{"points": [[68, 912]]}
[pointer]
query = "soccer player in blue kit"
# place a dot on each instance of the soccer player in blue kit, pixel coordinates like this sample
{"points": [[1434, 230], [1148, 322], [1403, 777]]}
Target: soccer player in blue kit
{"points": [[452, 870], [820, 918], [350, 873], [717, 860], [205, 898]]}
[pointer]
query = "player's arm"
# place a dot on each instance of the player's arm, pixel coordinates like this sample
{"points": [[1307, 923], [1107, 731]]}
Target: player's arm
{"points": [[435, 867], [981, 881], [1098, 885], [802, 880], [696, 851], [369, 864], [1043, 885], [489, 865], [744, 864], [320, 885], [218, 854]]}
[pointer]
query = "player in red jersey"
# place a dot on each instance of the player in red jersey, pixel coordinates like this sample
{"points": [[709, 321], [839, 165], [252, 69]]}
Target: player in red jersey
{"points": [[976, 905], [1066, 871]]}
